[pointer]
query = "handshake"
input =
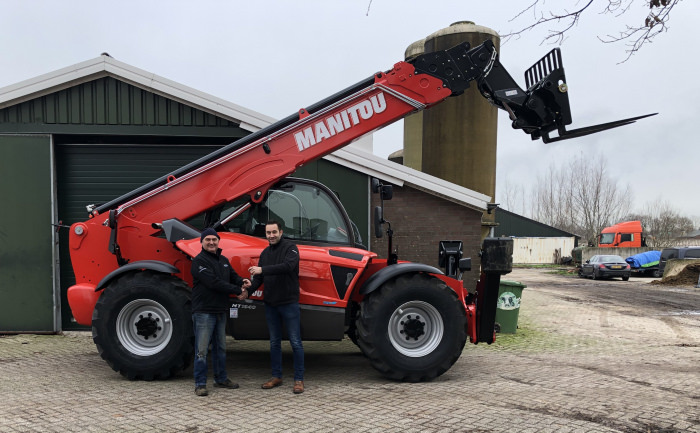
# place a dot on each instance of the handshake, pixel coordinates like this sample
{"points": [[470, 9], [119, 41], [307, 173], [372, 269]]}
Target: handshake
{"points": [[254, 270], [244, 289]]}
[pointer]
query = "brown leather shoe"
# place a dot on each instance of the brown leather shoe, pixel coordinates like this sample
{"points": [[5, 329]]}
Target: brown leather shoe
{"points": [[275, 381], [298, 387]]}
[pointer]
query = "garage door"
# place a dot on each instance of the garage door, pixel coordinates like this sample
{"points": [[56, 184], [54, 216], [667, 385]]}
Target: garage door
{"points": [[26, 259], [94, 174]]}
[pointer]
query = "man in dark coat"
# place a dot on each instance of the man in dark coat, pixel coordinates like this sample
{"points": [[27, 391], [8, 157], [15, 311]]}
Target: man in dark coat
{"points": [[278, 271], [214, 281]]}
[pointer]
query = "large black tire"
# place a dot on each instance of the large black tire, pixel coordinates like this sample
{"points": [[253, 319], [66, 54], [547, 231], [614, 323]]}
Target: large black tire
{"points": [[412, 328], [142, 325]]}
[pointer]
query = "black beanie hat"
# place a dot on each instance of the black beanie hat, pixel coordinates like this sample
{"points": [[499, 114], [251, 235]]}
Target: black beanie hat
{"points": [[208, 232]]}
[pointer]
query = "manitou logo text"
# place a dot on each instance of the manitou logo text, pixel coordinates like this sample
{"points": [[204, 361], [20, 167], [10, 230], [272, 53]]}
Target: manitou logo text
{"points": [[339, 122]]}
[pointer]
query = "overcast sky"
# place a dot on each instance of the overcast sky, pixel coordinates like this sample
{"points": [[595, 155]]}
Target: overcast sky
{"points": [[275, 57]]}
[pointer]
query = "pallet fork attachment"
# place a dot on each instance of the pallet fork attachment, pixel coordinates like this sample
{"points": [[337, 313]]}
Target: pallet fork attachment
{"points": [[580, 132], [538, 111]]}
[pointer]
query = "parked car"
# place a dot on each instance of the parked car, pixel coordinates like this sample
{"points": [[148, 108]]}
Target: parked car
{"points": [[605, 266], [677, 253]]}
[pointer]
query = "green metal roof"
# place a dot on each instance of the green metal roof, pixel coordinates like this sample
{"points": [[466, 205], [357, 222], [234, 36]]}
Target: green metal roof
{"points": [[106, 105], [511, 224]]}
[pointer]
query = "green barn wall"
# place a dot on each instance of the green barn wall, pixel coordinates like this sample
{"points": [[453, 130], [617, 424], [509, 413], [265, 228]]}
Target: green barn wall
{"points": [[26, 241]]}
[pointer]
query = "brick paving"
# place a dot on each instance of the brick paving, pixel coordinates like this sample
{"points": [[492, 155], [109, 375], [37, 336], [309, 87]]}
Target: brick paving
{"points": [[575, 365]]}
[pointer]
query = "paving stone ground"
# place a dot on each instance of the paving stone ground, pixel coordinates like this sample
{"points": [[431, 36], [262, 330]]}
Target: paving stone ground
{"points": [[583, 360]]}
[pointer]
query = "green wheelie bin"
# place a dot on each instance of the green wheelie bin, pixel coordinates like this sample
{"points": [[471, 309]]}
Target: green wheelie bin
{"points": [[508, 307]]}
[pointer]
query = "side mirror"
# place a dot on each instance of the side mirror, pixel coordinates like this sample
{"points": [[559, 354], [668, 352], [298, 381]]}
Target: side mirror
{"points": [[378, 221]]}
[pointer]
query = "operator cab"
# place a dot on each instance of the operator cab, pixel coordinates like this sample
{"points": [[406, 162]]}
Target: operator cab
{"points": [[308, 211]]}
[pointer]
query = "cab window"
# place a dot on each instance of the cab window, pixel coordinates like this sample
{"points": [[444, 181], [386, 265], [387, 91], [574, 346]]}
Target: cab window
{"points": [[607, 238], [308, 213], [305, 211]]}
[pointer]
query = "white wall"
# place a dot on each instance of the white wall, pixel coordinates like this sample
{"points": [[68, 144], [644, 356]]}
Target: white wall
{"points": [[541, 250]]}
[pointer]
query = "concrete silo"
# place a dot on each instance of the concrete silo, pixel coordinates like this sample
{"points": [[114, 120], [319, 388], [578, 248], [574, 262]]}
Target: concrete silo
{"points": [[413, 124], [456, 140]]}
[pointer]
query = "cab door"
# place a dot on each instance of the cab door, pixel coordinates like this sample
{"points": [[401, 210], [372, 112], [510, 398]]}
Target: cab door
{"points": [[312, 217]]}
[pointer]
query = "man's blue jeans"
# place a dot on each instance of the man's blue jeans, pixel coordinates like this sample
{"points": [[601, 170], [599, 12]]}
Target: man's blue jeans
{"points": [[290, 315], [209, 328]]}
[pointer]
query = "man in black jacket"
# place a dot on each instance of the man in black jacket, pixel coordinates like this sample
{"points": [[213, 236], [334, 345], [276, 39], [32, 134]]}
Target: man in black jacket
{"points": [[278, 270], [214, 281]]}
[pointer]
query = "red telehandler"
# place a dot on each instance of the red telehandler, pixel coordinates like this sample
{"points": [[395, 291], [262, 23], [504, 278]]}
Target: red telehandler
{"points": [[132, 257]]}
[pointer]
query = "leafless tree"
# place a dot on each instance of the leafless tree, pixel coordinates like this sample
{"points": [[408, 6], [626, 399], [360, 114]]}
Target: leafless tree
{"points": [[652, 17], [552, 202], [580, 197], [662, 224], [512, 196]]}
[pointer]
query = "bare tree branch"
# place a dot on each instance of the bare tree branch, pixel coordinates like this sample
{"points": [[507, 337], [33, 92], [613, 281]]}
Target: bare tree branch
{"points": [[635, 37], [569, 19], [654, 24]]}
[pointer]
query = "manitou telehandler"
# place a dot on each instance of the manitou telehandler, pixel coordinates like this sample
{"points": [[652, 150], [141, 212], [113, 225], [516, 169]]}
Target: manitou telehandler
{"points": [[132, 257]]}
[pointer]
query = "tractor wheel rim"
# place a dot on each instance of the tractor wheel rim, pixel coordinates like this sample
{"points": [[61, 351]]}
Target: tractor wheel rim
{"points": [[144, 327], [416, 329]]}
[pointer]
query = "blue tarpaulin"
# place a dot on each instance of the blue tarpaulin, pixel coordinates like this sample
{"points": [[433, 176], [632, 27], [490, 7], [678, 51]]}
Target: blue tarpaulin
{"points": [[644, 260]]}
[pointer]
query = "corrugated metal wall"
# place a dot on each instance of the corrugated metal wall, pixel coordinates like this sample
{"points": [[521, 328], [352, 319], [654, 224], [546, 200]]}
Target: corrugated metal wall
{"points": [[107, 101], [541, 250]]}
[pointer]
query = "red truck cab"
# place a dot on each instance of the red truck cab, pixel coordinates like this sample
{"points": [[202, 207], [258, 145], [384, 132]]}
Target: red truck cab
{"points": [[624, 234]]}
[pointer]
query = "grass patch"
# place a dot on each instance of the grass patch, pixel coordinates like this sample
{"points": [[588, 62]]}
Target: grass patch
{"points": [[528, 335], [553, 269], [531, 338], [566, 272]]}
